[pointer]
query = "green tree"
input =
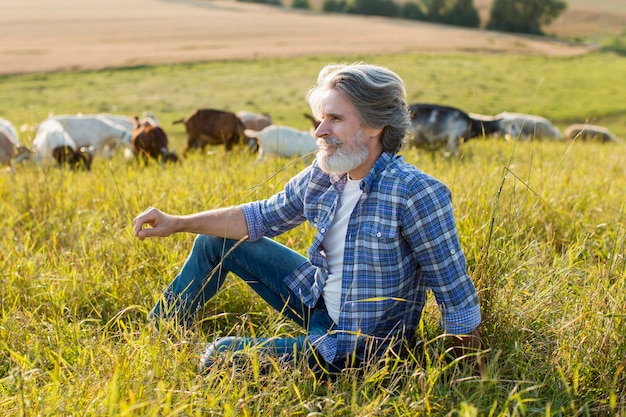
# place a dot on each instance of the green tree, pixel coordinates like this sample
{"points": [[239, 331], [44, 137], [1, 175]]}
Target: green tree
{"points": [[453, 12], [435, 9], [335, 6], [301, 4], [524, 16], [412, 10], [463, 13], [385, 8], [269, 2]]}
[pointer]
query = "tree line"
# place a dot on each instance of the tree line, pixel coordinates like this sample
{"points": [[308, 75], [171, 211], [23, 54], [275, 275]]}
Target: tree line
{"points": [[518, 16]]}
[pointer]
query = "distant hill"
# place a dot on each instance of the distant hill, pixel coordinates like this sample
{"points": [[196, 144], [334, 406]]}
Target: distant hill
{"points": [[40, 35], [581, 19]]}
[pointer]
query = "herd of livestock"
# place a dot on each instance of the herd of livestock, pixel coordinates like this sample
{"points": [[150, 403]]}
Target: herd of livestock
{"points": [[73, 140]]}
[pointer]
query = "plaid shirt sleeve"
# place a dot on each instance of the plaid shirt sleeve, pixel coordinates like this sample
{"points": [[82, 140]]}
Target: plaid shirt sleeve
{"points": [[279, 213], [433, 235]]}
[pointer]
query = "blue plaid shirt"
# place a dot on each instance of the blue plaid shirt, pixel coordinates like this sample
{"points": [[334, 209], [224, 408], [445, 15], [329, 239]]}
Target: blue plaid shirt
{"points": [[401, 241]]}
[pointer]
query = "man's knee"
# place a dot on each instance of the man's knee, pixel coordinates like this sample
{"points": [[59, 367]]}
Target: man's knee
{"points": [[207, 243]]}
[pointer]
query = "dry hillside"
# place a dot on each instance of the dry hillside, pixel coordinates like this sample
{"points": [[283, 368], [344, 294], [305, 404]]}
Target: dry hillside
{"points": [[43, 35]]}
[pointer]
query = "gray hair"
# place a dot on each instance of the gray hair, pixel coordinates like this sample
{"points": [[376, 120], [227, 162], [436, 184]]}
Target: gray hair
{"points": [[378, 94]]}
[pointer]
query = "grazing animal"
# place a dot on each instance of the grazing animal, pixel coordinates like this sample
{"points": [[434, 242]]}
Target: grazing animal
{"points": [[11, 149], [527, 126], [128, 122], [283, 141], [436, 126], [314, 122], [150, 141], [75, 159], [483, 125], [93, 130], [583, 131], [212, 127], [254, 121], [53, 142]]}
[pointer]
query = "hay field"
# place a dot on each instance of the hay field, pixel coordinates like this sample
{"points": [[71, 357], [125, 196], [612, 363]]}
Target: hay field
{"points": [[40, 35]]}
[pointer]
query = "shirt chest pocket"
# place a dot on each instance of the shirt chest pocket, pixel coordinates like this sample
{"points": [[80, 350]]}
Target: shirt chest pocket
{"points": [[319, 214], [380, 243]]}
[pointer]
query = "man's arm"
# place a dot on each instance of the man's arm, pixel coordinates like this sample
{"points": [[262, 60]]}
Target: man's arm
{"points": [[226, 222]]}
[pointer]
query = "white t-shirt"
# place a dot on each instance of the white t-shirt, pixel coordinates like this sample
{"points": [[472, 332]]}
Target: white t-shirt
{"points": [[334, 244]]}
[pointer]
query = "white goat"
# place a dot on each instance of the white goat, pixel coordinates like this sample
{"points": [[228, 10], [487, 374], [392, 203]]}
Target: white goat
{"points": [[283, 141]]}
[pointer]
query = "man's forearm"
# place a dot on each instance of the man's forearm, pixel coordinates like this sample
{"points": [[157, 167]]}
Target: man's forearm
{"points": [[226, 222]]}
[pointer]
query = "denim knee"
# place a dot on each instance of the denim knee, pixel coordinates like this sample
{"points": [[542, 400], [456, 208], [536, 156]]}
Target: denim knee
{"points": [[206, 245]]}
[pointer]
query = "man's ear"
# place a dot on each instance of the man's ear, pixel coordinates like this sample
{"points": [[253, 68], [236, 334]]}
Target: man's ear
{"points": [[373, 132]]}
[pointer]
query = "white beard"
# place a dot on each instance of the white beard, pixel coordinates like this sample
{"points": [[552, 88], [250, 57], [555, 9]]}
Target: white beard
{"points": [[345, 158]]}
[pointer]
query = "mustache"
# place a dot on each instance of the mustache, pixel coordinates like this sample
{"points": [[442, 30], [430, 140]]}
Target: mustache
{"points": [[330, 141]]}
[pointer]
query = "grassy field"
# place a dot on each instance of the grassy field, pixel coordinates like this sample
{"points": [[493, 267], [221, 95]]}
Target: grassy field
{"points": [[542, 224], [565, 90]]}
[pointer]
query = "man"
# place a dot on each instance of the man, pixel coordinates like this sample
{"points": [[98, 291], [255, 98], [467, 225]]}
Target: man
{"points": [[385, 234]]}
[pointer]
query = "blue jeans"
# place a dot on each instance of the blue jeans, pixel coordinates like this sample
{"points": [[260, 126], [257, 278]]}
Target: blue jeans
{"points": [[262, 265]]}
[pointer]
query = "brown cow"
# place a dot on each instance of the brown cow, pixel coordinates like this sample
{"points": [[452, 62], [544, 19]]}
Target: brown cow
{"points": [[212, 127], [150, 141]]}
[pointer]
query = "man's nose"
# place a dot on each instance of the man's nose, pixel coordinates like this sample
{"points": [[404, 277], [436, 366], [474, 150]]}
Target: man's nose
{"points": [[321, 130]]}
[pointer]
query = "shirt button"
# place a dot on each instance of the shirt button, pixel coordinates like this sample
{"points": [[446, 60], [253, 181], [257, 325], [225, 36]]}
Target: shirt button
{"points": [[322, 230], [314, 219], [379, 234], [453, 251]]}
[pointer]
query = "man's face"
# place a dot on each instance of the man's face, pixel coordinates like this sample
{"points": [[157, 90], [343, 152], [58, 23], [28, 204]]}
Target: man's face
{"points": [[341, 137]]}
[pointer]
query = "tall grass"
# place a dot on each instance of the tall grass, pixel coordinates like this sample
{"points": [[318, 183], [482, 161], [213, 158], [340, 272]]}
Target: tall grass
{"points": [[542, 225]]}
